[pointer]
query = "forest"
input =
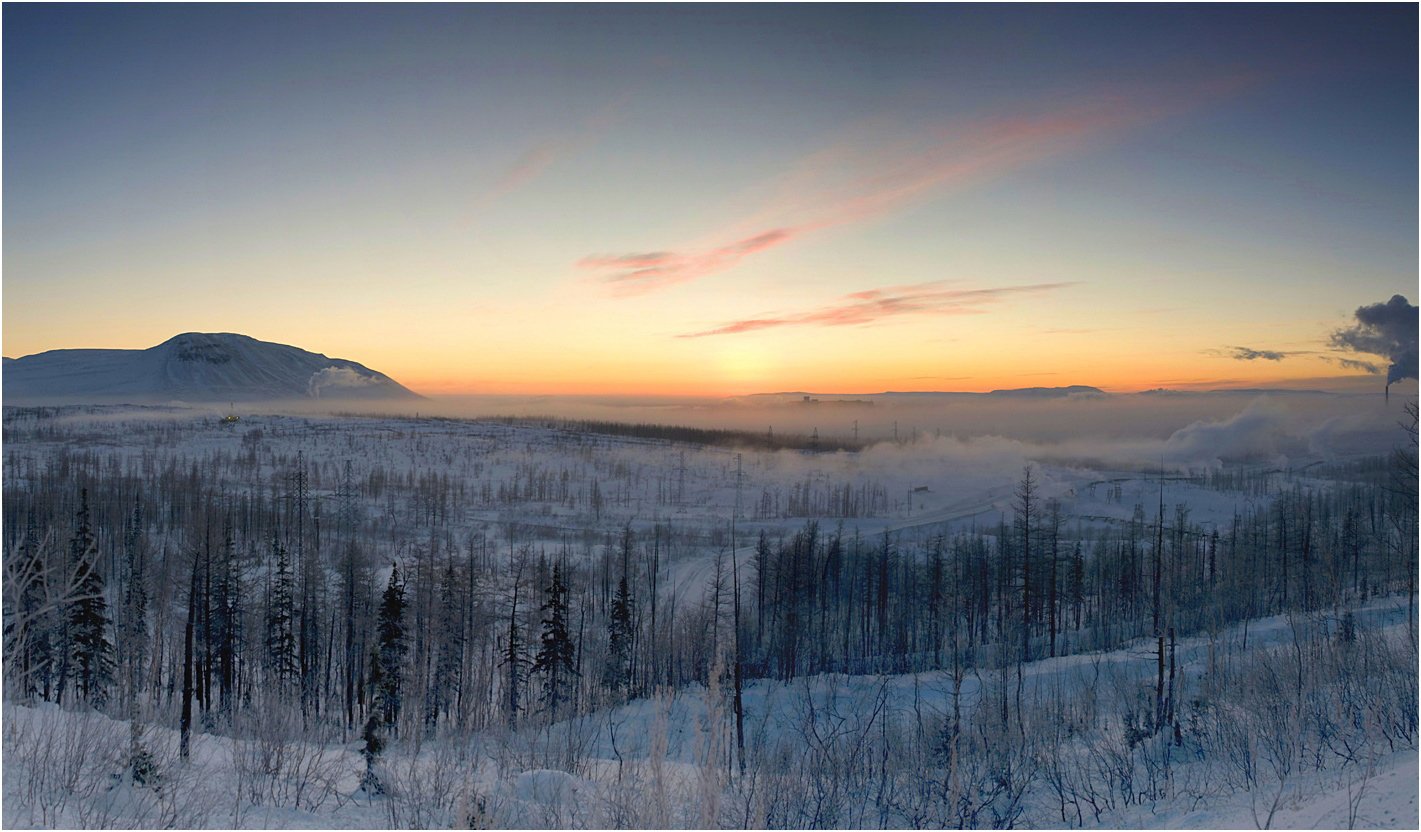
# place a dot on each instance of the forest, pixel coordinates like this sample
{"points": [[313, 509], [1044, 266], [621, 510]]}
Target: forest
{"points": [[347, 621]]}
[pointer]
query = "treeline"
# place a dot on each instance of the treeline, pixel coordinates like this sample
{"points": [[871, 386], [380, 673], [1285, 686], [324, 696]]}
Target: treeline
{"points": [[1031, 588], [749, 440]]}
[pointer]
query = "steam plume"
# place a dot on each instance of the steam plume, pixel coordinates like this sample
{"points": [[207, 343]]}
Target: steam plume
{"points": [[1387, 330]]}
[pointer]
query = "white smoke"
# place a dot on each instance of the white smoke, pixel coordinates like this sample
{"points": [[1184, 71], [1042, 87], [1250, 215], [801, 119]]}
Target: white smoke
{"points": [[337, 377]]}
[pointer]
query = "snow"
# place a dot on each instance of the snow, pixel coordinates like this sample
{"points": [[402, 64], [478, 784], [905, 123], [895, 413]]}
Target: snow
{"points": [[209, 791], [1382, 798], [518, 780], [548, 787], [193, 367]]}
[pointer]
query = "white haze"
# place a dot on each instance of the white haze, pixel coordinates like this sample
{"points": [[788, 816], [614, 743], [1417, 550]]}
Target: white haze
{"points": [[964, 449], [1183, 429]]}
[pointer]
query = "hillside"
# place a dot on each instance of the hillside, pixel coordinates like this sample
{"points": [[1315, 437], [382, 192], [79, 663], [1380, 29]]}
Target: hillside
{"points": [[194, 367]]}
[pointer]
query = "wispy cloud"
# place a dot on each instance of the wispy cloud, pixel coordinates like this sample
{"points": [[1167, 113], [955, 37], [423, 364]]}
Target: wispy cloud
{"points": [[1354, 364], [866, 307], [645, 271], [879, 173], [532, 164], [536, 160], [1251, 354], [1254, 354]]}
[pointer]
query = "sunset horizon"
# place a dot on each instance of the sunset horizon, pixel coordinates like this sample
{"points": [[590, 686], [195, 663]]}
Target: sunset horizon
{"points": [[707, 201], [1260, 374]]}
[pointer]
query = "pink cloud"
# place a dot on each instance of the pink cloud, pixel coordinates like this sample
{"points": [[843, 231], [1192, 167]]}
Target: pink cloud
{"points": [[531, 165], [859, 181], [537, 159], [641, 272], [872, 305]]}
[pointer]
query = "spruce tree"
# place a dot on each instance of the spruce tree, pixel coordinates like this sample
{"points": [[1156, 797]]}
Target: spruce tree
{"points": [[227, 617], [133, 640], [134, 621], [370, 752], [616, 674], [444, 686], [513, 659], [556, 657], [91, 652], [280, 616], [390, 655]]}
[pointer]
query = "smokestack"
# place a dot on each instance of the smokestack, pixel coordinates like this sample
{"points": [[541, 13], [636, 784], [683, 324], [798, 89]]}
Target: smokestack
{"points": [[1386, 330]]}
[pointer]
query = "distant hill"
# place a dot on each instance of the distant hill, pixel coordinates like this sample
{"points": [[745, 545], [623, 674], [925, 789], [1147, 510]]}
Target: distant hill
{"points": [[1023, 392], [1237, 391], [194, 367], [1050, 392]]}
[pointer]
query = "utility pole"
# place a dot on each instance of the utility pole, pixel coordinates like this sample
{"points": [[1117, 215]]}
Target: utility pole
{"points": [[735, 580], [681, 480], [1155, 617]]}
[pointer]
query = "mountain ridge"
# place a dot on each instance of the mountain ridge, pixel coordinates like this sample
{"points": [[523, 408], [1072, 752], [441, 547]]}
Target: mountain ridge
{"points": [[196, 367]]}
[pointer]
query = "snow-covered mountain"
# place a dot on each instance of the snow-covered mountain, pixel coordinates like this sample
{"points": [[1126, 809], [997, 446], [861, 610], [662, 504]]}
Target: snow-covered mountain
{"points": [[194, 367]]}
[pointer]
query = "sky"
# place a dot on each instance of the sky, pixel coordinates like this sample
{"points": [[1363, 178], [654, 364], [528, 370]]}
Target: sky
{"points": [[698, 200]]}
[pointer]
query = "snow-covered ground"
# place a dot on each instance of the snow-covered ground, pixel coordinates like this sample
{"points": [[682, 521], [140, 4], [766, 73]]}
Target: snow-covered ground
{"points": [[664, 761], [1383, 797], [652, 762], [523, 483]]}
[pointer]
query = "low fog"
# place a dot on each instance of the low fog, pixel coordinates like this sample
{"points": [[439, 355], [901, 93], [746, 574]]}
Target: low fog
{"points": [[1181, 431], [1181, 427]]}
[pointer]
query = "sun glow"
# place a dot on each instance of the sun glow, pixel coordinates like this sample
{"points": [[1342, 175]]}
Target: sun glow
{"points": [[744, 363]]}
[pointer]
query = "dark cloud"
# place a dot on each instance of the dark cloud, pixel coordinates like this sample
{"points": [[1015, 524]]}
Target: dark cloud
{"points": [[1387, 330], [1354, 364], [1250, 354]]}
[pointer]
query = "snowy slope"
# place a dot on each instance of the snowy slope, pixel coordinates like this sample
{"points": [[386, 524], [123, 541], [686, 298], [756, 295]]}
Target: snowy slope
{"points": [[644, 763], [194, 367]]}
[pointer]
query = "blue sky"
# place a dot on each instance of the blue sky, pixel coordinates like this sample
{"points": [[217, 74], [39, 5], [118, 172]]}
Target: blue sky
{"points": [[947, 191]]}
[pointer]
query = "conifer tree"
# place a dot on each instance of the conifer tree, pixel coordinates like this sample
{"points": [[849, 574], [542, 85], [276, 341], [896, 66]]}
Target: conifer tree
{"points": [[444, 686], [370, 752], [133, 634], [616, 675], [390, 656], [133, 640], [91, 651], [227, 617], [513, 659], [556, 657], [280, 617]]}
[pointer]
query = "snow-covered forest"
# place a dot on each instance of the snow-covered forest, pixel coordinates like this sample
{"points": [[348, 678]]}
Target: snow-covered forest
{"points": [[344, 621]]}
